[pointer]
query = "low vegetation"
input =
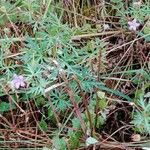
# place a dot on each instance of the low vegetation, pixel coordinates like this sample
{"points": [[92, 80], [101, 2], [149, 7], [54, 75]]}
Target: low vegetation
{"points": [[74, 74]]}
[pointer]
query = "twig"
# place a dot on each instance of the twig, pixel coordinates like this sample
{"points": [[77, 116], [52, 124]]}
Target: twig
{"points": [[98, 80], [71, 95], [53, 87], [53, 109], [45, 13], [13, 100], [115, 133], [85, 104], [75, 37], [75, 17]]}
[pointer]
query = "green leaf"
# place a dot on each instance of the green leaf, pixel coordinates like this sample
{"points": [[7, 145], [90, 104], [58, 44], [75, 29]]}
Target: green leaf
{"points": [[116, 92], [59, 143], [50, 112], [76, 123], [40, 101], [101, 94], [146, 29], [147, 95], [101, 120], [74, 140], [102, 103], [90, 141], [43, 125], [46, 148], [5, 107]]}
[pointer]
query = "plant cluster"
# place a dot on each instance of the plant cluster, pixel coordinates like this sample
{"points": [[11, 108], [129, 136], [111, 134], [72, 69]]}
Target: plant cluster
{"points": [[64, 72]]}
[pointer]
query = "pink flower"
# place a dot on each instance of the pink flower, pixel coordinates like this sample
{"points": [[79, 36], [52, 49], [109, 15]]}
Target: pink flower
{"points": [[18, 81], [133, 25]]}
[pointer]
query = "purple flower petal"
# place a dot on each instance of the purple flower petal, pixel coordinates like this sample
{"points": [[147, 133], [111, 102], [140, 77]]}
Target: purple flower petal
{"points": [[130, 23], [18, 81], [22, 84], [17, 85], [133, 25], [20, 77]]}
